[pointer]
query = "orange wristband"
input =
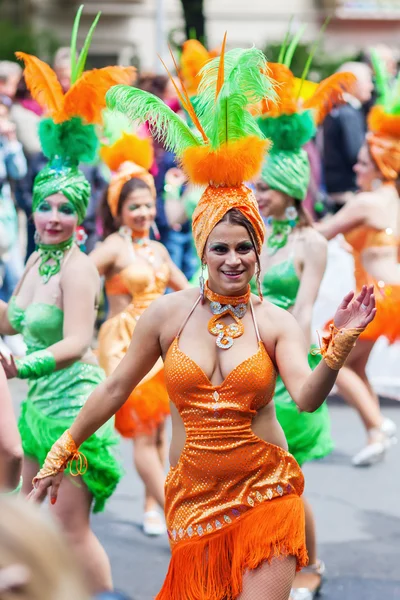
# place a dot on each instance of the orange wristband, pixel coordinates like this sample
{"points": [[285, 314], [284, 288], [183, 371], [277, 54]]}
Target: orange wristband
{"points": [[63, 452]]}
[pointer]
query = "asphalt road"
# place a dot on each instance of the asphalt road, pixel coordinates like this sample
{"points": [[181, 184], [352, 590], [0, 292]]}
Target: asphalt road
{"points": [[357, 511]]}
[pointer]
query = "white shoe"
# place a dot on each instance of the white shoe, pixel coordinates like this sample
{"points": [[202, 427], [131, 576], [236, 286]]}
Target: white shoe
{"points": [[389, 428], [371, 454], [16, 345], [153, 523]]}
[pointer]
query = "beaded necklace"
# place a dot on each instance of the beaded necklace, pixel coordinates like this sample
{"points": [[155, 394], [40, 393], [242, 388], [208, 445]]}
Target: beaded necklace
{"points": [[221, 306]]}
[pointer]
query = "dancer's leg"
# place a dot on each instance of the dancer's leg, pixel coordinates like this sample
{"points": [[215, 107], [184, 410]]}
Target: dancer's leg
{"points": [[355, 393], [72, 510], [271, 581], [150, 503], [306, 578], [148, 465]]}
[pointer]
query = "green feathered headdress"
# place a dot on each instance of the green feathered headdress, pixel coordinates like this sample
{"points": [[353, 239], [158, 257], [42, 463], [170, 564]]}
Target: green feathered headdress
{"points": [[226, 146]]}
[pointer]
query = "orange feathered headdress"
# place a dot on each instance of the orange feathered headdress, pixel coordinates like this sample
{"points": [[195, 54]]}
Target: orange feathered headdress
{"points": [[129, 157], [226, 148], [193, 58], [86, 96], [383, 137]]}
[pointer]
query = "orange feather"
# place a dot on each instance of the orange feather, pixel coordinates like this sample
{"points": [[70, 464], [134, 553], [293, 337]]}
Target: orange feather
{"points": [[129, 147], [194, 56], [383, 123], [187, 103], [43, 84], [87, 97], [221, 70], [285, 81], [329, 94]]}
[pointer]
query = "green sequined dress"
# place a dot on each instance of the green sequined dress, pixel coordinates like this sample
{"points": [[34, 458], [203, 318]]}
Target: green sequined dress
{"points": [[308, 434], [54, 401]]}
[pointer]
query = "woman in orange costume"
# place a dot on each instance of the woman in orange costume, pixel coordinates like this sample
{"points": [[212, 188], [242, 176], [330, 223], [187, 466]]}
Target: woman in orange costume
{"points": [[137, 272], [371, 225], [233, 506]]}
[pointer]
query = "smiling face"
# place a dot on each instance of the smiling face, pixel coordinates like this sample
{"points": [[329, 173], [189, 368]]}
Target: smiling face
{"points": [[55, 219], [366, 170], [231, 259], [271, 203], [139, 211]]}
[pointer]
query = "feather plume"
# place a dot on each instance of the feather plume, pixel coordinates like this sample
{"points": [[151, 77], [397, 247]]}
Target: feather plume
{"points": [[129, 147], [71, 140], [227, 118], [165, 125], [329, 94], [194, 56], [284, 81], [230, 165], [384, 123], [43, 84], [86, 98], [381, 77], [288, 132]]}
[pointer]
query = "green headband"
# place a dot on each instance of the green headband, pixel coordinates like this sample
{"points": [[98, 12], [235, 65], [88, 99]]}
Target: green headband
{"points": [[288, 171], [62, 178]]}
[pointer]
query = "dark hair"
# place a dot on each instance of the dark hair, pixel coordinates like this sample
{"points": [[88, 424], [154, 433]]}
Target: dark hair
{"points": [[109, 223], [305, 219], [155, 84]]}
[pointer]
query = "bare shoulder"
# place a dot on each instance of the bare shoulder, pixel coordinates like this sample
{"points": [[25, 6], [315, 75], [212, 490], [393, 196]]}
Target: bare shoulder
{"points": [[80, 269], [159, 247], [313, 238], [272, 321], [174, 305]]}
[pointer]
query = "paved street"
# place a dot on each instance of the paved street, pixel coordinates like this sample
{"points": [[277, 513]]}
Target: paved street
{"points": [[358, 514]]}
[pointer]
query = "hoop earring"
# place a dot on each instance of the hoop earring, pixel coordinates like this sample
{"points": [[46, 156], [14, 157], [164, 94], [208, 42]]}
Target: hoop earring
{"points": [[291, 215], [258, 281], [202, 283], [36, 238]]}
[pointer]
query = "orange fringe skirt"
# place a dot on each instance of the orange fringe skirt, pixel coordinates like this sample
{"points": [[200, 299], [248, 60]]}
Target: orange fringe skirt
{"points": [[387, 318], [148, 405], [212, 567]]}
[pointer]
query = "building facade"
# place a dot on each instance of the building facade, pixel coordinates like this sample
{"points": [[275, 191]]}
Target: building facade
{"points": [[134, 31]]}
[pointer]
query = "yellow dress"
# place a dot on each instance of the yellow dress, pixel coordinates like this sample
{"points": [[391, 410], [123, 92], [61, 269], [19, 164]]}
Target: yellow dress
{"points": [[148, 404]]}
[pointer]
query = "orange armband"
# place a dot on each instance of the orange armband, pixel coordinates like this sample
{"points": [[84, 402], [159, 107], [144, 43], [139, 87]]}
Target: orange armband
{"points": [[337, 345]]}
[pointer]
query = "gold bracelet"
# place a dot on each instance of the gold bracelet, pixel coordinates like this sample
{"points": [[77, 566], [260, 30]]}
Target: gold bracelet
{"points": [[63, 452], [337, 345]]}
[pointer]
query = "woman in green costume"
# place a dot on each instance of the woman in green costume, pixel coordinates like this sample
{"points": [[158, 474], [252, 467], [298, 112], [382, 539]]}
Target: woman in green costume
{"points": [[54, 307], [293, 263]]}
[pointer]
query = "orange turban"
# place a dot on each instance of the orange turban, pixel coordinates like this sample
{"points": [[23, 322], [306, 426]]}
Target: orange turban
{"points": [[385, 151], [128, 170], [213, 206]]}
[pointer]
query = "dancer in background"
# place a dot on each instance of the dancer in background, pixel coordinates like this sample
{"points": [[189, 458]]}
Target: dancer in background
{"points": [[54, 307], [137, 271], [371, 224], [233, 505], [10, 441], [293, 261]]}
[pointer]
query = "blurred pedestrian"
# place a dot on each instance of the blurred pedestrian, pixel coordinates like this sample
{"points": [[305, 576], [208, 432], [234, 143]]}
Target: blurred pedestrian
{"points": [[343, 135], [36, 562]]}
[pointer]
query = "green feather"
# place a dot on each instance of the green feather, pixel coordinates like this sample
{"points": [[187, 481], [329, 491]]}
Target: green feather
{"points": [[285, 42], [393, 98], [381, 77], [74, 37], [227, 118], [292, 46], [114, 125], [165, 125], [288, 132], [72, 140], [80, 67]]}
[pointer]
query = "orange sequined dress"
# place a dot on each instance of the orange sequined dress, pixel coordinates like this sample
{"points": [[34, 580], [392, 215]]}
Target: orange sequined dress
{"points": [[148, 405], [387, 320], [233, 500]]}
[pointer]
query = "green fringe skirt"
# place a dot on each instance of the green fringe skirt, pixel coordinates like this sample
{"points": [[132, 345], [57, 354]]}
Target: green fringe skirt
{"points": [[52, 404]]}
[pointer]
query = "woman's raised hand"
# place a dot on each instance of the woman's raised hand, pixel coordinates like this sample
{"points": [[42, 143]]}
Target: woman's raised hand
{"points": [[356, 312], [9, 366]]}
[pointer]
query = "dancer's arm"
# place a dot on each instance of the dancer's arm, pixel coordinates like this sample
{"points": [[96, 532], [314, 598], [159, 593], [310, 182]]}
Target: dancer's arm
{"points": [[104, 255], [5, 325], [177, 280], [315, 257], [110, 395], [309, 388], [351, 215], [10, 441]]}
